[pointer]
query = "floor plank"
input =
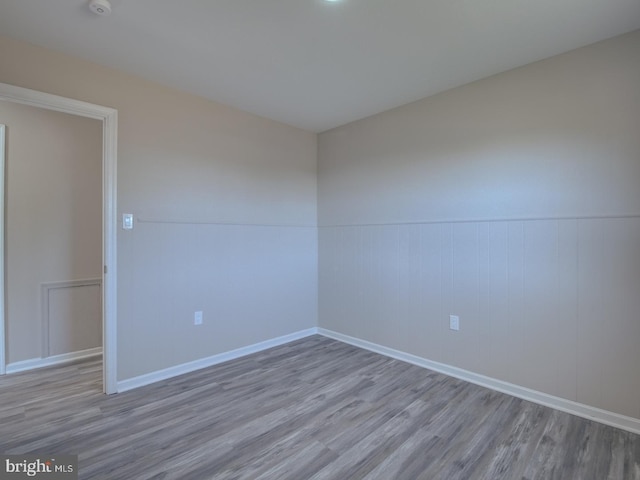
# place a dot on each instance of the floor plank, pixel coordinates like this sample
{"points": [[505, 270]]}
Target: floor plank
{"points": [[312, 409]]}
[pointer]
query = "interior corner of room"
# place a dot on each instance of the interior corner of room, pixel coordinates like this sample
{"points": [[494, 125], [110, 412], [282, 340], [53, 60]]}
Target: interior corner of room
{"points": [[489, 232]]}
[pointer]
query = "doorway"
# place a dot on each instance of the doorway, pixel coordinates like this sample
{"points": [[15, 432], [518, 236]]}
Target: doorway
{"points": [[108, 117]]}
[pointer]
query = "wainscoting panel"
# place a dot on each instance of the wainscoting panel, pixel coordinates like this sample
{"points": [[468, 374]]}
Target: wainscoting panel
{"points": [[253, 283], [552, 304], [71, 316]]}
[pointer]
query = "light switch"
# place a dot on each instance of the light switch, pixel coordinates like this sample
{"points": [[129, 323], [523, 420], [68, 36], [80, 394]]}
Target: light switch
{"points": [[127, 221]]}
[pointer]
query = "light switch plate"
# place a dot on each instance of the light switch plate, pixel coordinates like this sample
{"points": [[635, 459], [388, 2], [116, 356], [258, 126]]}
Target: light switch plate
{"points": [[127, 221]]}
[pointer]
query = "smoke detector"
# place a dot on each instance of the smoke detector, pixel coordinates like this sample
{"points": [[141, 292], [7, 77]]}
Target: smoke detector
{"points": [[100, 7]]}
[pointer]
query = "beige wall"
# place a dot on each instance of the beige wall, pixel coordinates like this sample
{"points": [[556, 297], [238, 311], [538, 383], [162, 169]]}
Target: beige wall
{"points": [[187, 168], [53, 224], [451, 182], [427, 210]]}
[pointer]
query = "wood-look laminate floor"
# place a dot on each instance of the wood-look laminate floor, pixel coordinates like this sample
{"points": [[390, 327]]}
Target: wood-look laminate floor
{"points": [[312, 409]]}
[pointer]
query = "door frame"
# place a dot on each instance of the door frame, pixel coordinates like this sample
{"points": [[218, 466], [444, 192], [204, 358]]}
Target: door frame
{"points": [[109, 118]]}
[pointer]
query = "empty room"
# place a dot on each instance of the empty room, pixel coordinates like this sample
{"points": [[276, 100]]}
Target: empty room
{"points": [[314, 239]]}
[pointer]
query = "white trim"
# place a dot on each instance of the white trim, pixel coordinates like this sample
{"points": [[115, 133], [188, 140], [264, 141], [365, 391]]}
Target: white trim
{"points": [[581, 410], [109, 118], [3, 368], [188, 367], [49, 101], [109, 253], [61, 359]]}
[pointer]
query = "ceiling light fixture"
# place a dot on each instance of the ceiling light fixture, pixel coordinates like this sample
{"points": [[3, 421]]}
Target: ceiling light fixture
{"points": [[100, 7]]}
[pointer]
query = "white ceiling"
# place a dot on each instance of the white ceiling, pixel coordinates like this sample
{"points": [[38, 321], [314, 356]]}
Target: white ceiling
{"points": [[312, 63]]}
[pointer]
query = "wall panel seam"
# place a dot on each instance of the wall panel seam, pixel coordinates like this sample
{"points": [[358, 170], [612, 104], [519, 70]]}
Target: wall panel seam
{"points": [[174, 221], [485, 220]]}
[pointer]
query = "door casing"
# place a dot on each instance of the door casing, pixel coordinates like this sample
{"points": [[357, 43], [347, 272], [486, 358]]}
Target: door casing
{"points": [[109, 118]]}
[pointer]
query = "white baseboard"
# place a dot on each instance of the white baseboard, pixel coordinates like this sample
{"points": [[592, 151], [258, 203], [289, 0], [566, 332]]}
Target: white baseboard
{"points": [[63, 358], [170, 372], [581, 410]]}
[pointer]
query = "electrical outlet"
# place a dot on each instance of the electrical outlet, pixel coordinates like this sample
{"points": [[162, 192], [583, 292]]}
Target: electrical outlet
{"points": [[454, 322], [197, 318]]}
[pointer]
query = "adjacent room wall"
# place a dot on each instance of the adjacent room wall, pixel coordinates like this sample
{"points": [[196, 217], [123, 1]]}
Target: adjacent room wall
{"points": [[225, 209], [53, 232], [513, 202]]}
